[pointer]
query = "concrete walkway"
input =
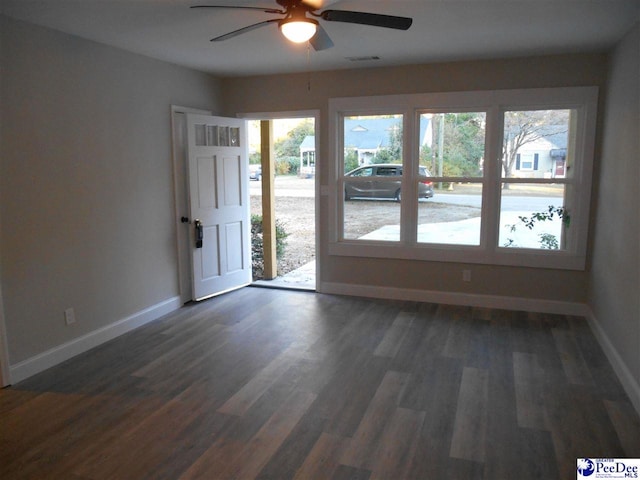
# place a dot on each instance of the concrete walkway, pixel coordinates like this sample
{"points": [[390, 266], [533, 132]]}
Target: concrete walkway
{"points": [[302, 278]]}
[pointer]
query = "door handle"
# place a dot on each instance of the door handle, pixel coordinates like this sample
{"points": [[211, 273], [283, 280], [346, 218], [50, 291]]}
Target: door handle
{"points": [[199, 232]]}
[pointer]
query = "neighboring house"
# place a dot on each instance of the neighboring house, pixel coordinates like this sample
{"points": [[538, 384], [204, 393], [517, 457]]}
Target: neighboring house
{"points": [[365, 136], [543, 158], [308, 156]]}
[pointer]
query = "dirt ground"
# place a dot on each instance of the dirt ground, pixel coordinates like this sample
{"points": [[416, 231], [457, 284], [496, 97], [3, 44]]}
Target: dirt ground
{"points": [[297, 216], [296, 213]]}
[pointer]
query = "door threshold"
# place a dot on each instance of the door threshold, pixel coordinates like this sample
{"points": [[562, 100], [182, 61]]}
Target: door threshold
{"points": [[281, 286]]}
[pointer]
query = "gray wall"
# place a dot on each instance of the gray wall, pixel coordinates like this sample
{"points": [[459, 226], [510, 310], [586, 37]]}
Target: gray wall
{"points": [[86, 188], [614, 281], [290, 93]]}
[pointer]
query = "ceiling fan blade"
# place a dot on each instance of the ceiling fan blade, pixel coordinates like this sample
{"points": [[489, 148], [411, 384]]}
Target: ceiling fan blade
{"points": [[321, 40], [362, 18], [242, 30], [261, 9]]}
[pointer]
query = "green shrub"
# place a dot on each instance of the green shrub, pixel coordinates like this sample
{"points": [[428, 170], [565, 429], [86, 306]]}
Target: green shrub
{"points": [[257, 246]]}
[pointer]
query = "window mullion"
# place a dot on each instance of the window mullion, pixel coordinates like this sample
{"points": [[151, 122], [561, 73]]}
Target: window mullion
{"points": [[492, 180], [409, 207]]}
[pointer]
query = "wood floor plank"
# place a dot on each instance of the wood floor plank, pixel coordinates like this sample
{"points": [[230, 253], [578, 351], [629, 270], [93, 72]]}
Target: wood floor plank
{"points": [[10, 399], [269, 438], [470, 428], [246, 459], [346, 397], [397, 445], [411, 352], [158, 435], [241, 401], [627, 426], [180, 348], [460, 330], [572, 360], [295, 449], [361, 450], [529, 385], [343, 472], [269, 384], [323, 460], [467, 469], [392, 340], [579, 422], [432, 458], [75, 430]]}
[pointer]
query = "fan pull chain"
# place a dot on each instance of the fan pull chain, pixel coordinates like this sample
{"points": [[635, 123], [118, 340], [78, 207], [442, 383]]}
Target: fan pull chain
{"points": [[308, 66]]}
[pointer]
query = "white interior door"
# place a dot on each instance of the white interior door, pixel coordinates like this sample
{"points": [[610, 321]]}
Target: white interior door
{"points": [[218, 204]]}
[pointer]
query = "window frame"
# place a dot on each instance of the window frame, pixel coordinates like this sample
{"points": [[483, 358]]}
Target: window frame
{"points": [[583, 100]]}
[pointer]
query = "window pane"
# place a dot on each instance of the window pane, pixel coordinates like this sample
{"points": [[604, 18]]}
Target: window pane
{"points": [[536, 143], [373, 177], [452, 217], [531, 216], [452, 144], [372, 139], [372, 220]]}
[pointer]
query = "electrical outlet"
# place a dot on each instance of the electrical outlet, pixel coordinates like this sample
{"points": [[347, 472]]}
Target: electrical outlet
{"points": [[69, 316], [466, 275]]}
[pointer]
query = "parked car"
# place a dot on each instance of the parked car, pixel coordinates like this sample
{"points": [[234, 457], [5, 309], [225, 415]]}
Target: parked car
{"points": [[375, 183], [255, 172]]}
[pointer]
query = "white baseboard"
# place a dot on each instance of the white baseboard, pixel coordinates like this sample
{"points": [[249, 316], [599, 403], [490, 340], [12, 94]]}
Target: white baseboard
{"points": [[457, 298], [630, 384], [59, 354]]}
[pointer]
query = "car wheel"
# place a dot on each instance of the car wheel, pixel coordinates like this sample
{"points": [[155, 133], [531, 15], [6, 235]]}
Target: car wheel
{"points": [[398, 195]]}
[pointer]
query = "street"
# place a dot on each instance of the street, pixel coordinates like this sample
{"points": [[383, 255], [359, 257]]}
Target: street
{"points": [[292, 186]]}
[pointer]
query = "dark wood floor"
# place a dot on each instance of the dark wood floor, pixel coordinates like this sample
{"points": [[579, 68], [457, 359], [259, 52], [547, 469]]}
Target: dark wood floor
{"points": [[275, 384]]}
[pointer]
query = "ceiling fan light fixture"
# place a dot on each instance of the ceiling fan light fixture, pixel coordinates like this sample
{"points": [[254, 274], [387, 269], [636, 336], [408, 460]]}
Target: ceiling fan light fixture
{"points": [[298, 30]]}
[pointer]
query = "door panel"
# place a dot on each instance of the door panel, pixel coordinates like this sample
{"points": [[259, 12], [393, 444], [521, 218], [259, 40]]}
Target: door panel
{"points": [[232, 181], [210, 252], [233, 237], [206, 185], [219, 199]]}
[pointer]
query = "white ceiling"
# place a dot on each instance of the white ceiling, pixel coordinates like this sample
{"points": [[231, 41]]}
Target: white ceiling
{"points": [[442, 30]]}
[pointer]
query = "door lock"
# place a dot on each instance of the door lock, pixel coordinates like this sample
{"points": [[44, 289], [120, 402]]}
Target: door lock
{"points": [[199, 232]]}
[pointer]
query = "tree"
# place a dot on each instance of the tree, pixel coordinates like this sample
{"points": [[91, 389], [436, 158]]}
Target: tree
{"points": [[255, 158], [523, 127], [392, 153], [464, 144], [290, 145], [462, 136], [350, 160]]}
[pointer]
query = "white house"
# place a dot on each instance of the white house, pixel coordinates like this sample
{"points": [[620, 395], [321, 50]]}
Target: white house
{"points": [[543, 158], [365, 136]]}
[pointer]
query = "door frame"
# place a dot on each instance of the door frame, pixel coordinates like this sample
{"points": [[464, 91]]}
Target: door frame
{"points": [[5, 372], [181, 194], [318, 190]]}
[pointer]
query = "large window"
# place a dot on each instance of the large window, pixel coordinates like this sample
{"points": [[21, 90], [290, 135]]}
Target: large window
{"points": [[499, 177]]}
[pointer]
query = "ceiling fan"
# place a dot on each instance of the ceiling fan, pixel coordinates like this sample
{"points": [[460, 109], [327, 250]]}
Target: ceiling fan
{"points": [[296, 26]]}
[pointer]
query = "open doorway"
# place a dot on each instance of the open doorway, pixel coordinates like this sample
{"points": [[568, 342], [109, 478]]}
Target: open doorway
{"points": [[289, 193]]}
